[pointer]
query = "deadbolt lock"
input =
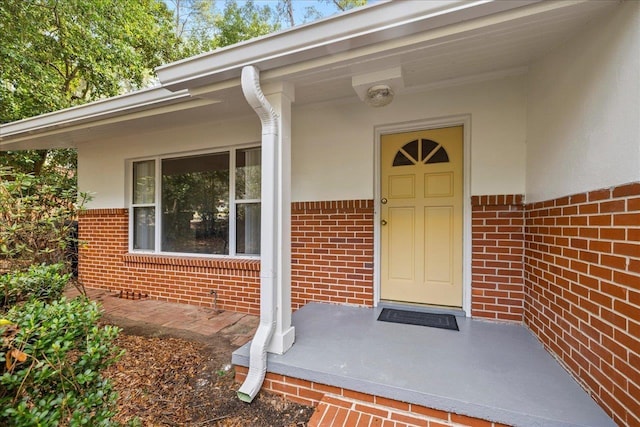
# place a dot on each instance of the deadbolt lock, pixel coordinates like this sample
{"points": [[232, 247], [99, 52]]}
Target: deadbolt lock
{"points": [[383, 222]]}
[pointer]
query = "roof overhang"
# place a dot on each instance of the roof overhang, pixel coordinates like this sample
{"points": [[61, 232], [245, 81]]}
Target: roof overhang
{"points": [[424, 44], [346, 32]]}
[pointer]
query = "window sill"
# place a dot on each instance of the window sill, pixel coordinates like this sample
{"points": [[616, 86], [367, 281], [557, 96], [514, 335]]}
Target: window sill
{"points": [[217, 263]]}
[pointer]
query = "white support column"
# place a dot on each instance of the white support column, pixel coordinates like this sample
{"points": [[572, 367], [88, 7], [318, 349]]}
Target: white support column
{"points": [[280, 96]]}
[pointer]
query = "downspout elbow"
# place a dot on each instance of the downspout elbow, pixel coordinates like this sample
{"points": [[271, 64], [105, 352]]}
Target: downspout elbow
{"points": [[268, 247]]}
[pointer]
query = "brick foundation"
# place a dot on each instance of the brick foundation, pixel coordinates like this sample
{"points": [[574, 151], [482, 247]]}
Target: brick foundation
{"points": [[332, 252], [332, 261], [582, 276], [342, 407], [105, 263], [497, 229]]}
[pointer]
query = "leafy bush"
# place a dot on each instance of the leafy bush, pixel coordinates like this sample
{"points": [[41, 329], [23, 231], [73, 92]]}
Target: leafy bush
{"points": [[42, 282], [36, 220], [51, 358]]}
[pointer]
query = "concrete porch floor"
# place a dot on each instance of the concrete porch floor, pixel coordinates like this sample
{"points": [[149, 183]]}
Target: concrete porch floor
{"points": [[493, 371]]}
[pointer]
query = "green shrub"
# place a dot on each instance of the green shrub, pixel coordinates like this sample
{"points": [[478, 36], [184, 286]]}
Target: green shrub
{"points": [[36, 221], [42, 282], [51, 359]]}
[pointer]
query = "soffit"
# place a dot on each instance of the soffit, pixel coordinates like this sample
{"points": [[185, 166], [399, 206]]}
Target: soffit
{"points": [[474, 53]]}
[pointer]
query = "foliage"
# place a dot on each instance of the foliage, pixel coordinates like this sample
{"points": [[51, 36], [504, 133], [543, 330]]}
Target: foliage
{"points": [[51, 359], [41, 282], [37, 221], [285, 10], [238, 23], [57, 54], [57, 167], [205, 28]]}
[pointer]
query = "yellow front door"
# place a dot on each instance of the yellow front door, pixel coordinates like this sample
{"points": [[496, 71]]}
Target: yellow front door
{"points": [[421, 216]]}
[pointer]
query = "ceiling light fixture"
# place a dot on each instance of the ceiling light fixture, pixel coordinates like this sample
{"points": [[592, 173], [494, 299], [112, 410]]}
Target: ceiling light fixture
{"points": [[379, 95]]}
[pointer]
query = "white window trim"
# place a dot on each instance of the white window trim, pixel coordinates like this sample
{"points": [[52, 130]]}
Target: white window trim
{"points": [[232, 150]]}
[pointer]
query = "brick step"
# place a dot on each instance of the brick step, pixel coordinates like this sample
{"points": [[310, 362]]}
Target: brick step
{"points": [[338, 411]]}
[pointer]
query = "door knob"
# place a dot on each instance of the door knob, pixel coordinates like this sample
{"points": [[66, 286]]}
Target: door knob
{"points": [[383, 201], [383, 222]]}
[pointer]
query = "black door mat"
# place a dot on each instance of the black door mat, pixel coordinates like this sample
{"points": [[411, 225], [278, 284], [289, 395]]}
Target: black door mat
{"points": [[443, 321]]}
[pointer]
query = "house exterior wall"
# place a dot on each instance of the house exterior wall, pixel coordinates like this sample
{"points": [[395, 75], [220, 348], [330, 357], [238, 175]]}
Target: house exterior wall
{"points": [[102, 169], [332, 252], [332, 217], [582, 281], [105, 263], [497, 256], [582, 251], [337, 137], [340, 138], [583, 130], [332, 261]]}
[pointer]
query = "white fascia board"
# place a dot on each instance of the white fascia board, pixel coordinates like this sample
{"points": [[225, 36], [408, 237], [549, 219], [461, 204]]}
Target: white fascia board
{"points": [[146, 99], [359, 28]]}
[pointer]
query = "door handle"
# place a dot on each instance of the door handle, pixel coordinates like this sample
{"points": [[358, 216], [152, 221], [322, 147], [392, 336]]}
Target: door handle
{"points": [[383, 201], [383, 222]]}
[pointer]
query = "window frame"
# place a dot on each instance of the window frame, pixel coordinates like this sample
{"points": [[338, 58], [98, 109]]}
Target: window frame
{"points": [[233, 202]]}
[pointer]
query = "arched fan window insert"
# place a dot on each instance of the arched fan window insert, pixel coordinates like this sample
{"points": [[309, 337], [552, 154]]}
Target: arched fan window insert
{"points": [[420, 151]]}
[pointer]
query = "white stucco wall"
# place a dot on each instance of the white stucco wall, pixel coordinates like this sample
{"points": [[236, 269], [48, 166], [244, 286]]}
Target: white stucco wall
{"points": [[102, 164], [583, 123], [333, 144]]}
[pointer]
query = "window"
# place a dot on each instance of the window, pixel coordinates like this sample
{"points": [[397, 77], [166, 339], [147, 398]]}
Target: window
{"points": [[195, 205], [424, 151]]}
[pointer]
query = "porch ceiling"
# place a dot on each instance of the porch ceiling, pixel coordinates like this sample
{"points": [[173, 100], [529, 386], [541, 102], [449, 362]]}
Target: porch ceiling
{"points": [[431, 55], [476, 51]]}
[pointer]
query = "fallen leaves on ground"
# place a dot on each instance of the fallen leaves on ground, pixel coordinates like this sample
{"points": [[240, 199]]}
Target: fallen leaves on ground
{"points": [[175, 382]]}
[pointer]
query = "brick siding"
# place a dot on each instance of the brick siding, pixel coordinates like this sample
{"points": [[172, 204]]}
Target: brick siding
{"points": [[338, 406], [332, 261], [582, 276], [497, 283], [332, 252], [104, 263]]}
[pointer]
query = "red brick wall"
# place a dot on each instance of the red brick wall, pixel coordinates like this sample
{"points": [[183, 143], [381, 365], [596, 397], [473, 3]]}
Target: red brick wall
{"points": [[104, 263], [582, 299], [332, 261], [332, 252], [497, 228]]}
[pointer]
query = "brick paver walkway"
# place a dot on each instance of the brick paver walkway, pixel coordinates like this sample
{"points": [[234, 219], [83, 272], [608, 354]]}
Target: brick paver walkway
{"points": [[204, 321]]}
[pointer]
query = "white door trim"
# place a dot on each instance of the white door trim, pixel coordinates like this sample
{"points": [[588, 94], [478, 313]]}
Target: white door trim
{"points": [[465, 121]]}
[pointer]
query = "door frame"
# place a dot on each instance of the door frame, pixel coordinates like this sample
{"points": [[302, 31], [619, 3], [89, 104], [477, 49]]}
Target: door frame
{"points": [[458, 120]]}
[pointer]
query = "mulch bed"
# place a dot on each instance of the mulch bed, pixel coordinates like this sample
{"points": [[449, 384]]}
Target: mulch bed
{"points": [[175, 382]]}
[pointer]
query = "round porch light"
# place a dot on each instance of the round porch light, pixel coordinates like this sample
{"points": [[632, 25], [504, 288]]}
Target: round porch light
{"points": [[379, 95]]}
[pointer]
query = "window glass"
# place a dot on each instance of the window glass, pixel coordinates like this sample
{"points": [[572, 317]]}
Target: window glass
{"points": [[248, 174], [248, 228], [195, 204], [144, 228], [193, 208], [144, 182]]}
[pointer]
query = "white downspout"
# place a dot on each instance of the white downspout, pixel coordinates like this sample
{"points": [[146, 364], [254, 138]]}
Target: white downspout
{"points": [[268, 243]]}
